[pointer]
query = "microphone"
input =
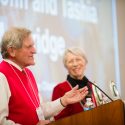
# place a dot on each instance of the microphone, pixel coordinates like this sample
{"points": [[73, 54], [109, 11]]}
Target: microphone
{"points": [[102, 91]]}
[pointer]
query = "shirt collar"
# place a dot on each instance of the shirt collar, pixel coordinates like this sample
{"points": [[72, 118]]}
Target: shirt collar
{"points": [[14, 64]]}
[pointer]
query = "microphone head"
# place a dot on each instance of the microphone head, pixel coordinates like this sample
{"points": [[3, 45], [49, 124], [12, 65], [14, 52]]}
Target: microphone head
{"points": [[114, 90]]}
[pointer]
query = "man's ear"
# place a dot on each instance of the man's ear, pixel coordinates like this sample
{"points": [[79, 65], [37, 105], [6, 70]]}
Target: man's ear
{"points": [[11, 51]]}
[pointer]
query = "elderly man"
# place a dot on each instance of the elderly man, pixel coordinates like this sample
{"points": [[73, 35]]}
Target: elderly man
{"points": [[20, 101]]}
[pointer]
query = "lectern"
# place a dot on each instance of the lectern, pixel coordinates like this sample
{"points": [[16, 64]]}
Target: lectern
{"points": [[108, 114]]}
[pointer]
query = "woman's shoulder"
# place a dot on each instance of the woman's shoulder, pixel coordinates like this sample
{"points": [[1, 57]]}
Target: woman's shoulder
{"points": [[62, 84]]}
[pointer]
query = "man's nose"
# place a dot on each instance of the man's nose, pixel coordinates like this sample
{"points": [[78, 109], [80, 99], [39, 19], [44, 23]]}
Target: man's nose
{"points": [[34, 50]]}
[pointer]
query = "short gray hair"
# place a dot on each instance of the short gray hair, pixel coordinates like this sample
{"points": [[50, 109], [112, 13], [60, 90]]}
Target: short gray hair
{"points": [[75, 51], [14, 37]]}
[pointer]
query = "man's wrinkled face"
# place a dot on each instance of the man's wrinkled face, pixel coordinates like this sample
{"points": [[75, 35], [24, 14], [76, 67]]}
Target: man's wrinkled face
{"points": [[25, 55]]}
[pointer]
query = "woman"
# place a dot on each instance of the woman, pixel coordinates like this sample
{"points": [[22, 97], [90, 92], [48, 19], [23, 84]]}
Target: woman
{"points": [[75, 62]]}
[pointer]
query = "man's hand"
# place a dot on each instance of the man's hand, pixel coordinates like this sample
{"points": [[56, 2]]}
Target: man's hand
{"points": [[74, 95]]}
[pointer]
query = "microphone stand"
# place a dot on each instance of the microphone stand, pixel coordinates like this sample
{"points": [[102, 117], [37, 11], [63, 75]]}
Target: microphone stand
{"points": [[102, 91]]}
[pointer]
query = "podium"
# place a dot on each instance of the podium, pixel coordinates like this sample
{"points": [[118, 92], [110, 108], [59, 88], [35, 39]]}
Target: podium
{"points": [[108, 114]]}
